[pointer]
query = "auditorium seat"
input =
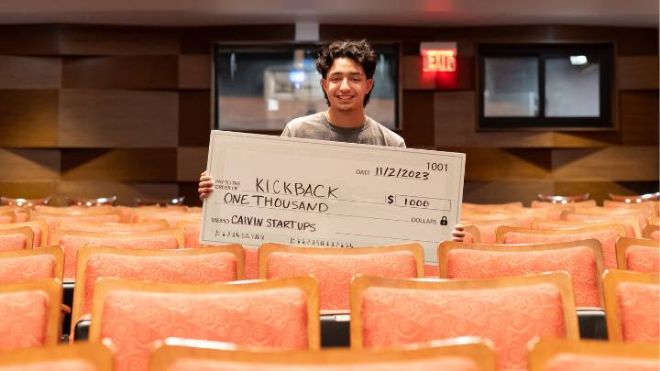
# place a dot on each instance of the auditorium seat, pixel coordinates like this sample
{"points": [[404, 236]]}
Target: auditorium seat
{"points": [[483, 231], [335, 267], [629, 223], [78, 357], [30, 314], [563, 355], [559, 199], [606, 234], [18, 238], [280, 314], [651, 232], [510, 311], [203, 265], [72, 241], [31, 264], [39, 231], [632, 308], [461, 354], [639, 255], [582, 260]]}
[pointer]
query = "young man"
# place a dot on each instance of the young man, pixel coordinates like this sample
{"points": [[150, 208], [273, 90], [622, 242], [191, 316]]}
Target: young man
{"points": [[347, 70]]}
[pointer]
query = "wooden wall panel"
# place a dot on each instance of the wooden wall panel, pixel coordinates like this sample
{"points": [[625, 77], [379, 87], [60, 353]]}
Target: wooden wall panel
{"points": [[615, 163], [194, 118], [488, 164], [191, 161], [456, 125], [121, 72], [30, 39], [189, 191], [638, 116], [130, 165], [637, 72], [417, 128], [28, 118], [126, 192], [29, 165], [195, 71], [200, 40], [117, 118], [27, 189], [30, 72], [506, 191], [118, 40]]}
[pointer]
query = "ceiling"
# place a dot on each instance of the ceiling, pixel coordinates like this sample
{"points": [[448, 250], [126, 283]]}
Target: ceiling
{"points": [[436, 13]]}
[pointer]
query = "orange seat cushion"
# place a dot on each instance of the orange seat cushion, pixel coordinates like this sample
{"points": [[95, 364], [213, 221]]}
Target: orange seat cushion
{"points": [[510, 317], [12, 242], [23, 319], [207, 268], [574, 362], [639, 309], [71, 244], [643, 259], [579, 262], [446, 363], [334, 272], [133, 321], [607, 240], [27, 268]]}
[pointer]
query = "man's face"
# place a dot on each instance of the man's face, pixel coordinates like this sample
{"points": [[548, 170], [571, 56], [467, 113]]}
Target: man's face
{"points": [[346, 85]]}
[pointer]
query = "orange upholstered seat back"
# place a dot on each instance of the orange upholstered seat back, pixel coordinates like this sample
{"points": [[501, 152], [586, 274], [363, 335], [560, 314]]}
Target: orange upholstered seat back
{"points": [[638, 307], [204, 265], [461, 354], [133, 315], [18, 238], [335, 267], [509, 316], [31, 265], [81, 356], [632, 306], [582, 260], [29, 314], [563, 355], [71, 242], [606, 234]]}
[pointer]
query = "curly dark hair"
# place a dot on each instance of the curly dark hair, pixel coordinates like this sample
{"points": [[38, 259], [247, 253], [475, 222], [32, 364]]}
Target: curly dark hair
{"points": [[359, 51]]}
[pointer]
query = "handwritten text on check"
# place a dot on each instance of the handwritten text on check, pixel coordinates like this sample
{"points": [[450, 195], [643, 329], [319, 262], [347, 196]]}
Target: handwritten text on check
{"points": [[319, 193]]}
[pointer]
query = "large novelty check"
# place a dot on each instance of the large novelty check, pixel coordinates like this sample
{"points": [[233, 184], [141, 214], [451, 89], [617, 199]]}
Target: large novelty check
{"points": [[320, 193]]}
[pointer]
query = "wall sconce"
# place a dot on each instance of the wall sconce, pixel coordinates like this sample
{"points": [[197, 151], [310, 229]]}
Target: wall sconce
{"points": [[438, 56]]}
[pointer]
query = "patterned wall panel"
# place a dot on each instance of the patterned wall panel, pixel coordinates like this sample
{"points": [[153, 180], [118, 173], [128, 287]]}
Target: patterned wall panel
{"points": [[121, 72], [117, 118]]}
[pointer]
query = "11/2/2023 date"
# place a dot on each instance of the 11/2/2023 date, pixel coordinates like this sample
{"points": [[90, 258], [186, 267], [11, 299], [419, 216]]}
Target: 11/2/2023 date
{"points": [[399, 172]]}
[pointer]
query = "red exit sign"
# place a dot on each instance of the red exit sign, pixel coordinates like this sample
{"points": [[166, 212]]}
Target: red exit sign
{"points": [[440, 57]]}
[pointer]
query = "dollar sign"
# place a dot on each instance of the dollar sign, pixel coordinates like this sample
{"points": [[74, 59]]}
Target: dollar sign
{"points": [[390, 199]]}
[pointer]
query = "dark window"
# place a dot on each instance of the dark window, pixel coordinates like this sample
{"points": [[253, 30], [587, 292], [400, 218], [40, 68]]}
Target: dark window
{"points": [[545, 86], [262, 87]]}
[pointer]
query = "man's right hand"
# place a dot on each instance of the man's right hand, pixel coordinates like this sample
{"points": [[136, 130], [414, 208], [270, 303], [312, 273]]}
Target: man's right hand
{"points": [[458, 234], [205, 186]]}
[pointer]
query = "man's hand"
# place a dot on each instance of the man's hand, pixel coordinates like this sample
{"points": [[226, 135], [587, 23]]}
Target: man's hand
{"points": [[205, 186], [457, 235]]}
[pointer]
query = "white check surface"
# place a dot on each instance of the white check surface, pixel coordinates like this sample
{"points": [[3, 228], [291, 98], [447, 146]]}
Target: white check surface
{"points": [[319, 193]]}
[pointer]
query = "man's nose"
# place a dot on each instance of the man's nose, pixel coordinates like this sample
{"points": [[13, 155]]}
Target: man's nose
{"points": [[344, 84]]}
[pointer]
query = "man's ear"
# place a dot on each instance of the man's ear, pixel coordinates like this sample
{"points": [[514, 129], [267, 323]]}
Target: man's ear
{"points": [[323, 82], [370, 85]]}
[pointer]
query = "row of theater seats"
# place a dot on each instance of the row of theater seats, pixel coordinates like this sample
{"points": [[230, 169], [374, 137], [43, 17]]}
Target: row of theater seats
{"points": [[458, 354], [334, 268], [283, 314]]}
